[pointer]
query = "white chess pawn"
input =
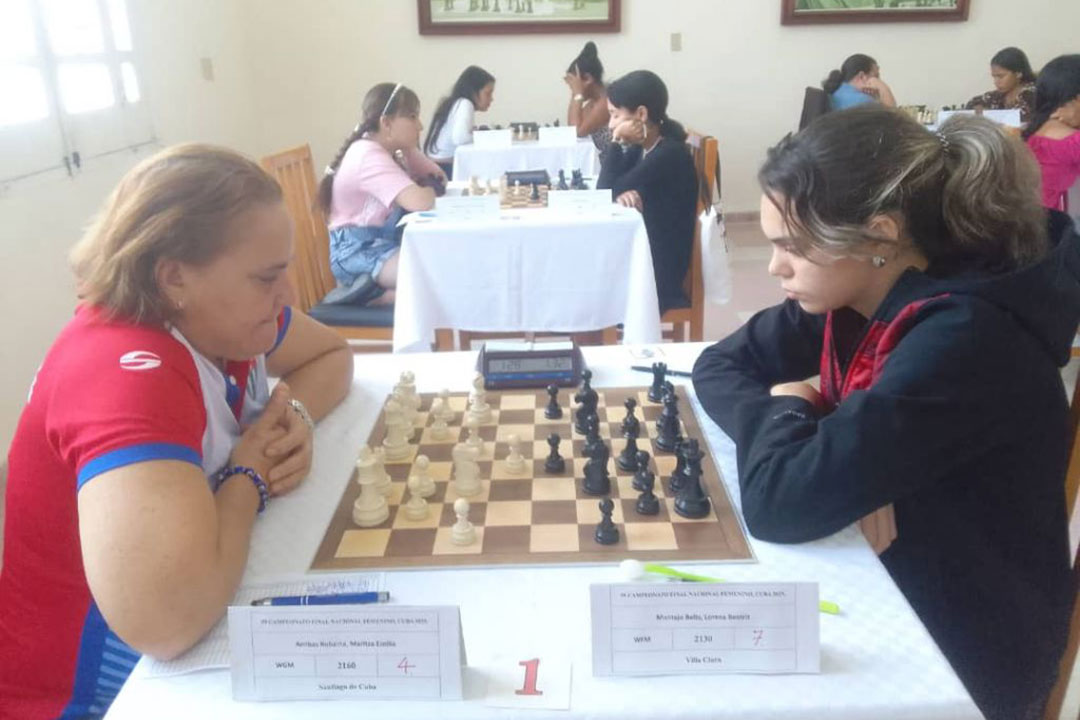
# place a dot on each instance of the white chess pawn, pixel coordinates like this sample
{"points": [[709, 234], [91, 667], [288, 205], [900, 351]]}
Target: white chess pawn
{"points": [[466, 470], [439, 429], [478, 404], [382, 478], [515, 461], [463, 532], [473, 440], [425, 485], [416, 508], [370, 508], [396, 442]]}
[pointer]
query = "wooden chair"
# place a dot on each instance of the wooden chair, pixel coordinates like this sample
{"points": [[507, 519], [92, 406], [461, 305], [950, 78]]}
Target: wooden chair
{"points": [[1072, 484], [310, 270], [815, 104], [689, 322]]}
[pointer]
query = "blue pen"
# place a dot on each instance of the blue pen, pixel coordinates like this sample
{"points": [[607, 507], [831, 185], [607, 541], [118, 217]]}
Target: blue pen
{"points": [[337, 599]]}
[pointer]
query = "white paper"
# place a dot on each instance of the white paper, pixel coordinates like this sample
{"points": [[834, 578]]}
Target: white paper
{"points": [[347, 652], [537, 680], [578, 202], [677, 629], [1009, 118], [565, 136], [469, 208], [212, 652], [493, 138]]}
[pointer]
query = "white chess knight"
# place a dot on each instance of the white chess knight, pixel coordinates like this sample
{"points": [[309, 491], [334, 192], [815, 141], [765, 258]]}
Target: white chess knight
{"points": [[478, 404], [370, 508], [463, 532], [382, 478], [466, 470], [515, 461], [425, 486], [416, 508], [396, 442]]}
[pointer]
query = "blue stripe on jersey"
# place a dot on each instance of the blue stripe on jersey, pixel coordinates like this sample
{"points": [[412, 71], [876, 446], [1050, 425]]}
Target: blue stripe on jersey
{"points": [[95, 688], [135, 454], [283, 327]]}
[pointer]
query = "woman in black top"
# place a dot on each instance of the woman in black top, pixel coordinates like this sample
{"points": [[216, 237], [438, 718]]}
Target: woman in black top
{"points": [[649, 167]]}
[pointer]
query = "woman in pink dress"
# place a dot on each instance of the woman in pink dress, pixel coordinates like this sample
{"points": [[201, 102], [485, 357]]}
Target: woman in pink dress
{"points": [[1054, 132]]}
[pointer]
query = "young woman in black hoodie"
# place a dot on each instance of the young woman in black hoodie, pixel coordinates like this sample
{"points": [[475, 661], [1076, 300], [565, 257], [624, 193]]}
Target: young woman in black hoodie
{"points": [[926, 290]]}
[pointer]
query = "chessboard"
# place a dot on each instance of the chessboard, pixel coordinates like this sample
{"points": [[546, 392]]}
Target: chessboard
{"points": [[533, 516], [520, 197]]}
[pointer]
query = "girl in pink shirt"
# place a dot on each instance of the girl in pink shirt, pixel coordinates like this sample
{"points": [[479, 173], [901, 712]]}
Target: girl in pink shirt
{"points": [[378, 175], [1054, 132]]}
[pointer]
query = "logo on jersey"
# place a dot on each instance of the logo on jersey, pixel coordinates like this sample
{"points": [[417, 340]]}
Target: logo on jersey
{"points": [[139, 360]]}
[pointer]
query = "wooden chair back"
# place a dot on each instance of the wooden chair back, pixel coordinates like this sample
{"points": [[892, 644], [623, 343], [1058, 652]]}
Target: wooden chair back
{"points": [[815, 104], [310, 270]]}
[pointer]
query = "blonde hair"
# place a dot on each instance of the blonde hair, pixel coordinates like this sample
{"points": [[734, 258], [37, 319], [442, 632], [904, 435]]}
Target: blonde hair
{"points": [[174, 205]]}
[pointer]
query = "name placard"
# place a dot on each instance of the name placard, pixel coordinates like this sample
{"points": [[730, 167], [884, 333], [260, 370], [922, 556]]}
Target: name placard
{"points": [[467, 208], [579, 202], [1008, 118], [669, 629], [489, 139], [558, 136], [347, 652]]}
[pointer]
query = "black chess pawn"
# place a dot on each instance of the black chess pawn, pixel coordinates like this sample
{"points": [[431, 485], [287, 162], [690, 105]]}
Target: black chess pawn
{"points": [[587, 399], [535, 196], [597, 478], [627, 460], [631, 421], [554, 464], [606, 532], [656, 390], [647, 504], [553, 411], [643, 471], [678, 478], [692, 502], [562, 181]]}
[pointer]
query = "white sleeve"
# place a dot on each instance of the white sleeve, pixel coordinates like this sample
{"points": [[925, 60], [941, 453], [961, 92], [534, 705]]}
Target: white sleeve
{"points": [[461, 122]]}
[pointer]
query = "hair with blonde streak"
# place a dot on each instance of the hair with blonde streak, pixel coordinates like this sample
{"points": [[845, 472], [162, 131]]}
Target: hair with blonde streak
{"points": [[174, 205], [967, 196]]}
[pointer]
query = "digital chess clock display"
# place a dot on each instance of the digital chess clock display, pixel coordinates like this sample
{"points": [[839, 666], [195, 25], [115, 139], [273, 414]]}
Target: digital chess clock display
{"points": [[562, 363]]}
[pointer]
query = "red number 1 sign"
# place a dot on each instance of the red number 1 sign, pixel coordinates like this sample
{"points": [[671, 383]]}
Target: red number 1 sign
{"points": [[532, 667]]}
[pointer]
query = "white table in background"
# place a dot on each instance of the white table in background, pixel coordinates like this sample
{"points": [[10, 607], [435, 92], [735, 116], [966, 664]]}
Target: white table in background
{"points": [[877, 660], [532, 270], [490, 163]]}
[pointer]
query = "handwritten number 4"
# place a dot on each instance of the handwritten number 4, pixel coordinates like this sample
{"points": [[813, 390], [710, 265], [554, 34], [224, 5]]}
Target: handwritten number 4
{"points": [[532, 667], [404, 665]]}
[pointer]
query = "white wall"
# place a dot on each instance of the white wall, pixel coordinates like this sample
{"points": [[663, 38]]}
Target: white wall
{"points": [[740, 75], [41, 218], [293, 71]]}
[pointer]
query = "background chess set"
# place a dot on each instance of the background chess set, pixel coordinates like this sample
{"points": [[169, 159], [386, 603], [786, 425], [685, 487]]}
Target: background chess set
{"points": [[519, 195], [534, 517]]}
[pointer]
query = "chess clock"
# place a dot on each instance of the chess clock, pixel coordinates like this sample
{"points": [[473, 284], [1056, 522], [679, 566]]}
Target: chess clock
{"points": [[526, 364]]}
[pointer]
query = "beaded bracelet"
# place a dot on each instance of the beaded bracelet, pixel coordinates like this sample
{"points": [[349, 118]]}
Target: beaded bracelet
{"points": [[260, 485]]}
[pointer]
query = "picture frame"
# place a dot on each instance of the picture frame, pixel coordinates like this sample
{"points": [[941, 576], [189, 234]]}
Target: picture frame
{"points": [[820, 12], [511, 17]]}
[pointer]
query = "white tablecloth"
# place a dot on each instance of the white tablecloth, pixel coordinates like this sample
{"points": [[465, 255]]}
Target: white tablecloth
{"points": [[532, 270], [490, 163], [877, 661]]}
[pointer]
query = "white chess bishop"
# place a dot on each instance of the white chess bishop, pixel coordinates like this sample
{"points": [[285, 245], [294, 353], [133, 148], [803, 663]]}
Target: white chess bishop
{"points": [[425, 485], [370, 508], [466, 470], [463, 532], [396, 443]]}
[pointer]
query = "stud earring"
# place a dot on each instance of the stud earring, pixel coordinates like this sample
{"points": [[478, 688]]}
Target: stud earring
{"points": [[878, 261]]}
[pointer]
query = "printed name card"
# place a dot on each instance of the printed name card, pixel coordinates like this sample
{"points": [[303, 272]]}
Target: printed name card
{"points": [[468, 208], [1008, 118], [676, 629], [558, 136], [493, 139], [580, 202], [346, 652]]}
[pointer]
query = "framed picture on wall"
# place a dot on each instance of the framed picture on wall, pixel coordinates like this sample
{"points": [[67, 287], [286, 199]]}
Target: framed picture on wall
{"points": [[809, 12], [492, 17]]}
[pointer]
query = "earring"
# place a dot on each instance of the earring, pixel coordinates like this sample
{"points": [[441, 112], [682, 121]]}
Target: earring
{"points": [[644, 132], [878, 261]]}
